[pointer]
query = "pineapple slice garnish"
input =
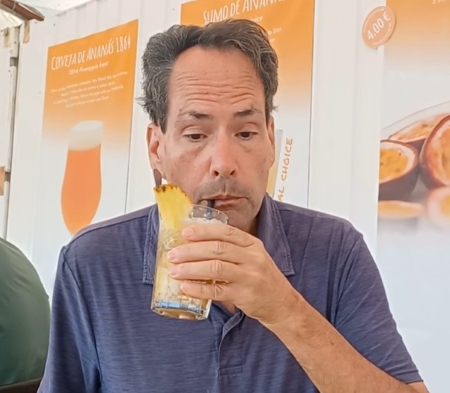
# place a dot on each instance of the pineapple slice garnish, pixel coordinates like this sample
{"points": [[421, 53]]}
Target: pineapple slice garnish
{"points": [[173, 205]]}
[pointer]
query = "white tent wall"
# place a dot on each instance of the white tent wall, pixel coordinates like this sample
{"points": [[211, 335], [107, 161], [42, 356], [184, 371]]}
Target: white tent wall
{"points": [[8, 20]]}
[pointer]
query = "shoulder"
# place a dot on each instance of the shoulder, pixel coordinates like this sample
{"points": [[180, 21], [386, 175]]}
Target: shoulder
{"points": [[15, 266], [318, 226], [110, 239], [320, 244], [9, 253]]}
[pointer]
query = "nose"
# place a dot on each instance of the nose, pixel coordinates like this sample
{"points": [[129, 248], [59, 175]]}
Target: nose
{"points": [[223, 162]]}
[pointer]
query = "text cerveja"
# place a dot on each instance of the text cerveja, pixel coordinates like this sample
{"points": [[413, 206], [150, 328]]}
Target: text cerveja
{"points": [[116, 45]]}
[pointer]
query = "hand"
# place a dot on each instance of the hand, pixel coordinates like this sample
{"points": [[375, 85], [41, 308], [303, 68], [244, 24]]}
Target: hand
{"points": [[245, 274]]}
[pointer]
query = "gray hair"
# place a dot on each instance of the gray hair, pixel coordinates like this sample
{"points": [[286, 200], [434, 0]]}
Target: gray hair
{"points": [[163, 49]]}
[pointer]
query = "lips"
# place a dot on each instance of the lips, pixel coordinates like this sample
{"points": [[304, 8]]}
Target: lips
{"points": [[224, 201]]}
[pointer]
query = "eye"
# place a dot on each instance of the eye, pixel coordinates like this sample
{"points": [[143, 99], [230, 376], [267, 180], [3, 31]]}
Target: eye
{"points": [[246, 135], [195, 137]]}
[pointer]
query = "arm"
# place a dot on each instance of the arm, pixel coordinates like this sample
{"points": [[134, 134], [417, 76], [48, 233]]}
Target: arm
{"points": [[364, 353], [331, 363], [72, 364]]}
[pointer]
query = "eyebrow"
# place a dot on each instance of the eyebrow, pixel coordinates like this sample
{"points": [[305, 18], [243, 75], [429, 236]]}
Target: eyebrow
{"points": [[192, 114], [247, 113]]}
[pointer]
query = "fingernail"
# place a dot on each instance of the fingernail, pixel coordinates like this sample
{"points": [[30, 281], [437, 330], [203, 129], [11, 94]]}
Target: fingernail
{"points": [[173, 271], [172, 255], [188, 232]]}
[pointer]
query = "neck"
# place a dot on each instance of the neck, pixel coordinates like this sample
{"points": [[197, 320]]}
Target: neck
{"points": [[252, 227]]}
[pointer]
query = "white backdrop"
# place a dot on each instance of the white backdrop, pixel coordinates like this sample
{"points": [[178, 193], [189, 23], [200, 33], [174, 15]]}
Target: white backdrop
{"points": [[346, 117]]}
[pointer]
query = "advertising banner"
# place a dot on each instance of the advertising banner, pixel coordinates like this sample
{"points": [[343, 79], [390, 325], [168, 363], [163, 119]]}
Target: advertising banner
{"points": [[290, 25], [414, 182], [88, 103]]}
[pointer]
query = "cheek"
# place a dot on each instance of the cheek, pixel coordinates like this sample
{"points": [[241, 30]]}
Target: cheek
{"points": [[270, 159], [259, 164], [267, 157], [183, 170]]}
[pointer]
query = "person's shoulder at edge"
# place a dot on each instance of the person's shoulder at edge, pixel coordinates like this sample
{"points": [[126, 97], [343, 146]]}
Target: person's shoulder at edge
{"points": [[301, 218], [119, 231]]}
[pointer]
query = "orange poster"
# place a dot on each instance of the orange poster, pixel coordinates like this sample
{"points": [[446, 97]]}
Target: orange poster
{"points": [[86, 131], [88, 112], [414, 181], [290, 25]]}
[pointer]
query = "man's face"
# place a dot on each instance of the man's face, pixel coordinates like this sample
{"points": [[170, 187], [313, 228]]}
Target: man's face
{"points": [[218, 143]]}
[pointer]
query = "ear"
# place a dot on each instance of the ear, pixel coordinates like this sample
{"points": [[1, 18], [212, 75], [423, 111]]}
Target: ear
{"points": [[155, 147], [271, 131]]}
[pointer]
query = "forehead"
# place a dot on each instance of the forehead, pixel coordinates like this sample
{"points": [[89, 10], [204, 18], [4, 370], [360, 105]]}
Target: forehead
{"points": [[212, 77]]}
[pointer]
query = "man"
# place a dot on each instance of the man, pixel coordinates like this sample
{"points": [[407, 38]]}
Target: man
{"points": [[24, 318], [303, 308]]}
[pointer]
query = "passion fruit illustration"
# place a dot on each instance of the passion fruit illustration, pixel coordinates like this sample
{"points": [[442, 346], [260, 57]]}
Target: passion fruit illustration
{"points": [[435, 157], [416, 133], [438, 207], [399, 210], [399, 170]]}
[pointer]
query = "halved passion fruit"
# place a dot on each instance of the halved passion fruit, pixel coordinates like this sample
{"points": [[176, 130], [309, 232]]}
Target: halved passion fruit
{"points": [[399, 170], [435, 157], [416, 133], [399, 210], [438, 207]]}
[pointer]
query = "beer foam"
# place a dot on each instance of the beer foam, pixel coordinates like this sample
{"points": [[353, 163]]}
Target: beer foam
{"points": [[85, 135]]}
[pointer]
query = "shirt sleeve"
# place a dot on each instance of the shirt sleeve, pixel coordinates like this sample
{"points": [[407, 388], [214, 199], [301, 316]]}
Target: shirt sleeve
{"points": [[72, 362], [364, 318]]}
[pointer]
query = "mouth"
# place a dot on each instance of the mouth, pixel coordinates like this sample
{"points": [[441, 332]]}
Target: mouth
{"points": [[223, 200]]}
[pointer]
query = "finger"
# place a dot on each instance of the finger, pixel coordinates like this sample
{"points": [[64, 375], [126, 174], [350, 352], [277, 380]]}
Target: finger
{"points": [[219, 292], [226, 233], [206, 270], [209, 250]]}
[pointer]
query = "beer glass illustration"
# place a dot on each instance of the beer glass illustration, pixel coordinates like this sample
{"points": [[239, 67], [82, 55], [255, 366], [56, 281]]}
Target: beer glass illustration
{"points": [[82, 184], [272, 181]]}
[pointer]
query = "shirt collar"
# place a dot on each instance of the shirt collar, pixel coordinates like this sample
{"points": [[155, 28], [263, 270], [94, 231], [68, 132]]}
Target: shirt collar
{"points": [[270, 231]]}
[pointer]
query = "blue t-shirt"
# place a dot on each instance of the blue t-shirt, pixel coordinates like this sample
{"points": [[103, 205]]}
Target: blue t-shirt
{"points": [[104, 337]]}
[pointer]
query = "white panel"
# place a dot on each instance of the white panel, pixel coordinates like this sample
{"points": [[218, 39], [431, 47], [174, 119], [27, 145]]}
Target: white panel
{"points": [[5, 88], [366, 130], [140, 182], [345, 116], [173, 14], [27, 133]]}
